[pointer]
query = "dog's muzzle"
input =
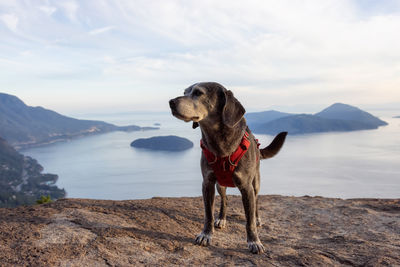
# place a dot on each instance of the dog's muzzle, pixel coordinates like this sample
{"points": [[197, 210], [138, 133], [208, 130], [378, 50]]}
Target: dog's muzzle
{"points": [[173, 104]]}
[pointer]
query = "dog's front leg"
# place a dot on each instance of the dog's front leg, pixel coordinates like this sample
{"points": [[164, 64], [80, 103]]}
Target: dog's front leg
{"points": [[204, 239], [220, 222], [249, 204]]}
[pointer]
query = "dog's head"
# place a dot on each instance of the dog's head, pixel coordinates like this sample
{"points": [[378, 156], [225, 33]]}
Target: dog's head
{"points": [[207, 101]]}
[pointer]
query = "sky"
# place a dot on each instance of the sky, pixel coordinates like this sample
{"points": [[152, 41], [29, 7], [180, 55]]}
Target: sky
{"points": [[112, 56]]}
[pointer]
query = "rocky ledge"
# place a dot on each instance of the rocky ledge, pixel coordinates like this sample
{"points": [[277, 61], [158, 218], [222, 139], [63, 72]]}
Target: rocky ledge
{"points": [[297, 231]]}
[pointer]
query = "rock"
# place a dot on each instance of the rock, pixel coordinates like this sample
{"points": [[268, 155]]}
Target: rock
{"points": [[310, 231], [165, 143]]}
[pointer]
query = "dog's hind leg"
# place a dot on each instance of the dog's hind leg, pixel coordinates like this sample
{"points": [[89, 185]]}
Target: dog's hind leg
{"points": [[220, 222], [249, 203], [256, 186]]}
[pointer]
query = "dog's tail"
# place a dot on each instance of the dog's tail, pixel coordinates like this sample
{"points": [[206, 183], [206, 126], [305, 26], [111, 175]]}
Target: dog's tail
{"points": [[274, 147]]}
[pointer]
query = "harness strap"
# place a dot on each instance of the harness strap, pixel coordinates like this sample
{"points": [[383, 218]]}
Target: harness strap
{"points": [[225, 166]]}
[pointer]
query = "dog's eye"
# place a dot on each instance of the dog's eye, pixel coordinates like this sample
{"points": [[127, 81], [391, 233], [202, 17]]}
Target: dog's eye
{"points": [[197, 93]]}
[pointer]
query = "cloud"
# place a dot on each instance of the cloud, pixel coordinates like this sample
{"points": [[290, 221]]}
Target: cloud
{"points": [[10, 20], [280, 50], [101, 30], [49, 10], [70, 9], [26, 53]]}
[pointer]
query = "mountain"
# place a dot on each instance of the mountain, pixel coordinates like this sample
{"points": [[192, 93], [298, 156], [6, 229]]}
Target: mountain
{"points": [[305, 123], [263, 117], [337, 117], [349, 113], [166, 143], [23, 126], [21, 180]]}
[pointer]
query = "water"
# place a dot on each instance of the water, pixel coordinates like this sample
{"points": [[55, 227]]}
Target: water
{"points": [[346, 165]]}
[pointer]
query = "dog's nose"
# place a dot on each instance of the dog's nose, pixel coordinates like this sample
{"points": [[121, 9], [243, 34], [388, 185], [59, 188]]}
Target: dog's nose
{"points": [[172, 104]]}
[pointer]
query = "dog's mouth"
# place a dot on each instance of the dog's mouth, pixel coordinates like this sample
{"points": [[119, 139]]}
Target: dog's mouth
{"points": [[184, 118]]}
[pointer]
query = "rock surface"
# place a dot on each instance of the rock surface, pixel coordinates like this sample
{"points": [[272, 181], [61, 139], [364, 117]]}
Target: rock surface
{"points": [[297, 231]]}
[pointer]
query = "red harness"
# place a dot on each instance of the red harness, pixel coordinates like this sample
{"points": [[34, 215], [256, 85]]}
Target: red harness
{"points": [[225, 166]]}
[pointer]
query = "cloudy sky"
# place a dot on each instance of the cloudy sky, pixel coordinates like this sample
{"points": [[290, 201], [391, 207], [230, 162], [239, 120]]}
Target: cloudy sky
{"points": [[114, 55]]}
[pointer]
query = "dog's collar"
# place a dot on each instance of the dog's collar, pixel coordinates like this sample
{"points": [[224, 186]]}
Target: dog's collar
{"points": [[224, 166]]}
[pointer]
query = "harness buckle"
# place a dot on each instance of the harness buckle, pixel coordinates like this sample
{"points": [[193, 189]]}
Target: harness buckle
{"points": [[230, 162]]}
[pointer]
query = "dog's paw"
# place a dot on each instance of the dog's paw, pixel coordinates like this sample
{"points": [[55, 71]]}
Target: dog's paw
{"points": [[203, 239], [256, 247], [220, 223], [258, 222]]}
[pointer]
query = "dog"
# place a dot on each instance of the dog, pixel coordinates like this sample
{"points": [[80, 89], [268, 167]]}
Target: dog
{"points": [[224, 135]]}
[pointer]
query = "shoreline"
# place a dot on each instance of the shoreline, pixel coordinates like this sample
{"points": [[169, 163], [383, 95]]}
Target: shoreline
{"points": [[20, 147]]}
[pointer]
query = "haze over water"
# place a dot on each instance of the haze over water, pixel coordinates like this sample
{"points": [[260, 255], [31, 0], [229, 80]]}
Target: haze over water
{"points": [[360, 164]]}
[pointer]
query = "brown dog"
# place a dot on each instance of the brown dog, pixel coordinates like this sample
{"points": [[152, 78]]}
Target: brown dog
{"points": [[223, 128]]}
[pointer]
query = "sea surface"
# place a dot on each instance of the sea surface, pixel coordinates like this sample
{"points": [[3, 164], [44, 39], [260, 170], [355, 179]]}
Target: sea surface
{"points": [[361, 164]]}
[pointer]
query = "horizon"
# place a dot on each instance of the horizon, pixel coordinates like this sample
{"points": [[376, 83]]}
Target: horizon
{"points": [[102, 57], [386, 110]]}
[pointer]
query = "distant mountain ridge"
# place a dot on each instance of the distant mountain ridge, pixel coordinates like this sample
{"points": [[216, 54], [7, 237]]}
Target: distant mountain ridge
{"points": [[337, 117], [341, 111], [265, 116], [24, 126]]}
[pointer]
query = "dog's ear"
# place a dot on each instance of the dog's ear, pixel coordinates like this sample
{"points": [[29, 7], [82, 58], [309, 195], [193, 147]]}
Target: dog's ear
{"points": [[233, 111], [195, 125]]}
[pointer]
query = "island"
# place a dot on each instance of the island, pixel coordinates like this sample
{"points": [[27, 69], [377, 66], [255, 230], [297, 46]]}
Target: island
{"points": [[163, 143], [24, 126], [335, 118]]}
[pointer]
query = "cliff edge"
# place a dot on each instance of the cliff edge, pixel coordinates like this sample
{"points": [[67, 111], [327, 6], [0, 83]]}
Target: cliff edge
{"points": [[160, 231]]}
